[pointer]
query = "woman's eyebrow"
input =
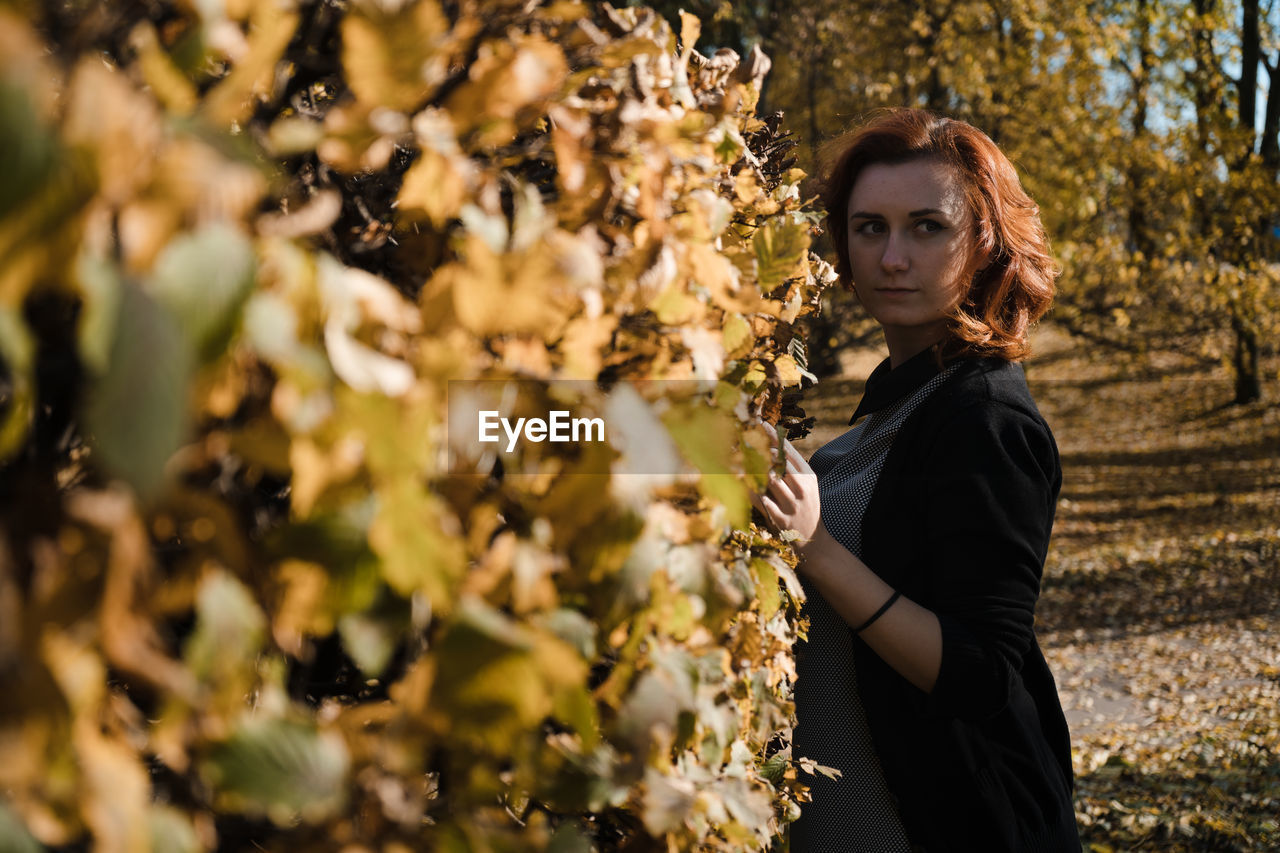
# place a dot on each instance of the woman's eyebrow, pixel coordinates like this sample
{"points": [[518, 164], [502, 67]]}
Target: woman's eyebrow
{"points": [[924, 211]]}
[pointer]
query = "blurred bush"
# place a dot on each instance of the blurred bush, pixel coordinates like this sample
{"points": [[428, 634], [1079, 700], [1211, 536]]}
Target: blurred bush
{"points": [[251, 592]]}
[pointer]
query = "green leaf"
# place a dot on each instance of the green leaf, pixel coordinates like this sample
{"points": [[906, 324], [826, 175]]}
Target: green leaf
{"points": [[172, 832], [17, 351], [100, 289], [204, 279], [569, 837], [572, 627], [497, 679], [775, 768], [668, 802], [779, 248], [283, 770], [230, 628], [137, 410], [14, 837], [749, 806], [660, 694], [27, 149], [370, 640]]}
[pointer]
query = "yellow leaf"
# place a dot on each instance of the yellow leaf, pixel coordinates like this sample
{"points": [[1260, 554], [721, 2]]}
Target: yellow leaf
{"points": [[351, 143], [232, 99], [770, 598], [117, 124], [780, 248], [418, 553], [721, 278], [570, 129], [754, 377], [705, 435], [301, 610], [674, 307], [436, 185], [690, 30], [788, 371], [728, 491], [169, 84], [507, 81], [738, 339], [201, 181], [394, 53], [585, 341], [115, 792], [509, 293]]}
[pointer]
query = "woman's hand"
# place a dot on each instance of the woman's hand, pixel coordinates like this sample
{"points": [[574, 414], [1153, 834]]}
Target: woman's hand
{"points": [[791, 502], [907, 636]]}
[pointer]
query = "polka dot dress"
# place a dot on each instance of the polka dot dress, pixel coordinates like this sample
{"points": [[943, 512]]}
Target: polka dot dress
{"points": [[854, 812]]}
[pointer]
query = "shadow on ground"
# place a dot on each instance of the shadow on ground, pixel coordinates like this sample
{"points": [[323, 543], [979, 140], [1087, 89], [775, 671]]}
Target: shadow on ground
{"points": [[1197, 807]]}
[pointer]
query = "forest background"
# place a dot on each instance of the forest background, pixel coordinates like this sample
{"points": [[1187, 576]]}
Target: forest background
{"points": [[245, 247]]}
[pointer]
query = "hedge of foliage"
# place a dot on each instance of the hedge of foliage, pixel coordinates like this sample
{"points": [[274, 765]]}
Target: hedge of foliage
{"points": [[251, 592]]}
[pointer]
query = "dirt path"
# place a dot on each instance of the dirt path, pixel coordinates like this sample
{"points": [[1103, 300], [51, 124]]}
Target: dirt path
{"points": [[1160, 612]]}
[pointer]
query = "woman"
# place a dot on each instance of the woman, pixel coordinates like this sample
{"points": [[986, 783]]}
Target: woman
{"points": [[923, 530]]}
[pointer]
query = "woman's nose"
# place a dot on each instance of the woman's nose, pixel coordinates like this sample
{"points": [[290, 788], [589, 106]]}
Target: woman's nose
{"points": [[894, 258]]}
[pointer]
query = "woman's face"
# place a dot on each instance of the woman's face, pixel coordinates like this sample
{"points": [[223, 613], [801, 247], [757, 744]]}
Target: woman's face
{"points": [[911, 242]]}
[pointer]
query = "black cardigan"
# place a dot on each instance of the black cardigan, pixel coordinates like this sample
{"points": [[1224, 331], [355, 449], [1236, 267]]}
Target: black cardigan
{"points": [[960, 523]]}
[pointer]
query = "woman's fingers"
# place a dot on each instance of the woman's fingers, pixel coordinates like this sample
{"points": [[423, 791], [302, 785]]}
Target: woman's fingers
{"points": [[769, 508], [782, 493], [773, 512], [788, 493], [792, 455]]}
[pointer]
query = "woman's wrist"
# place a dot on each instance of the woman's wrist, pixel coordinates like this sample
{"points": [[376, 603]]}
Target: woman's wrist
{"points": [[831, 566], [815, 554]]}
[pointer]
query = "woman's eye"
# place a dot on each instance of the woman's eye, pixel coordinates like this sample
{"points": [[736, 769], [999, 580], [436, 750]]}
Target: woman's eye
{"points": [[869, 227], [929, 226]]}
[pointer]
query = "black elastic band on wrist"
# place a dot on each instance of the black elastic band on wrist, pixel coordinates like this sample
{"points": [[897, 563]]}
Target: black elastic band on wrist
{"points": [[865, 625]]}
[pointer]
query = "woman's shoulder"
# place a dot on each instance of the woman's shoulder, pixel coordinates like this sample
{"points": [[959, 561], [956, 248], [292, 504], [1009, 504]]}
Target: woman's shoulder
{"points": [[993, 385], [985, 406]]}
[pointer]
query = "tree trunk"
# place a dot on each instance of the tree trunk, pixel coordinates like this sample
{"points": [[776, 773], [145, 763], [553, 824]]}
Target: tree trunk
{"points": [[1139, 227], [1248, 376], [1270, 147], [811, 96], [1250, 47]]}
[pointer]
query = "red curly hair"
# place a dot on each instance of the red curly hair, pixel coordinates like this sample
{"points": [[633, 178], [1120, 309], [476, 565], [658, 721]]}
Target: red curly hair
{"points": [[1015, 287]]}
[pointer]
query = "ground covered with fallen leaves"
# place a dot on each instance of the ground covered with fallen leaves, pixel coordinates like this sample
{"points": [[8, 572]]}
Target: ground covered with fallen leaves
{"points": [[1160, 612]]}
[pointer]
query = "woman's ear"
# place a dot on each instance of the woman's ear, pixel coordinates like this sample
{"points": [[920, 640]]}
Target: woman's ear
{"points": [[984, 251]]}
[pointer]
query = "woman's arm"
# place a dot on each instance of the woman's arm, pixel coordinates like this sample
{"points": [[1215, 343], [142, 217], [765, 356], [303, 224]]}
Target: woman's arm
{"points": [[986, 511], [907, 636]]}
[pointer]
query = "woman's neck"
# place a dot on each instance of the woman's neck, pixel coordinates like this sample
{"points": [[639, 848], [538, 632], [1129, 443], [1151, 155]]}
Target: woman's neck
{"points": [[905, 343]]}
